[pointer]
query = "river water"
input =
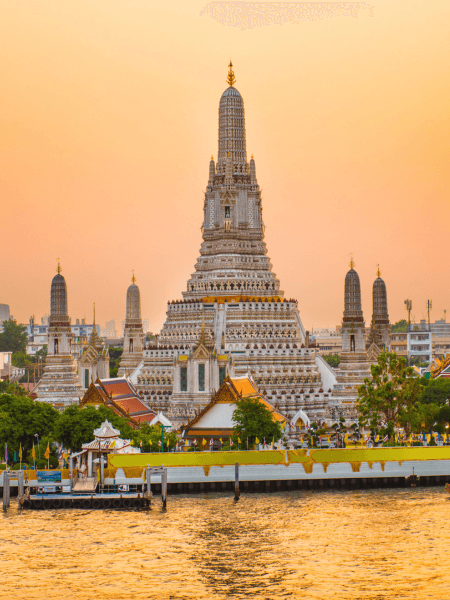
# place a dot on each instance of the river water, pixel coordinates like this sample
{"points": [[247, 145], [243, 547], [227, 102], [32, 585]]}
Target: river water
{"points": [[370, 544]]}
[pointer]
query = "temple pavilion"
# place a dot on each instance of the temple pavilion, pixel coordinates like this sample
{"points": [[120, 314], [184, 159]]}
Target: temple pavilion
{"points": [[215, 421], [120, 395]]}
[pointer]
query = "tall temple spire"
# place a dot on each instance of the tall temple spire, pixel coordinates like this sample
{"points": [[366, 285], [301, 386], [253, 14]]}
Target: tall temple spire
{"points": [[231, 79], [133, 334], [232, 127]]}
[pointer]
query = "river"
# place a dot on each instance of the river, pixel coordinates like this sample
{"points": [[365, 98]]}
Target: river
{"points": [[374, 544]]}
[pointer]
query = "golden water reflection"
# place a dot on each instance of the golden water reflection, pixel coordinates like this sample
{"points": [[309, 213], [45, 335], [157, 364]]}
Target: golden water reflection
{"points": [[351, 545]]}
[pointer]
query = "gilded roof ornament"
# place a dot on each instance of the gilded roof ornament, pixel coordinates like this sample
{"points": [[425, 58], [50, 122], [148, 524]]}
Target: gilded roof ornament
{"points": [[231, 79], [133, 278], [378, 271], [352, 262], [58, 268]]}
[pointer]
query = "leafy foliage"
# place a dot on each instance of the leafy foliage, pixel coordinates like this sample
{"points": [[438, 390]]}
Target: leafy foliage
{"points": [[392, 396], [400, 327], [115, 354], [150, 437], [76, 425], [21, 418], [21, 359], [333, 360], [14, 337], [436, 391], [254, 420]]}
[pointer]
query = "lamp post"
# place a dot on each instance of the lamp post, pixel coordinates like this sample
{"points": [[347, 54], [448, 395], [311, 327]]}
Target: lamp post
{"points": [[162, 435], [39, 448]]}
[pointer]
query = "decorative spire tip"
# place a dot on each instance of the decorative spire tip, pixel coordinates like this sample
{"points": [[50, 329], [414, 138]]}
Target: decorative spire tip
{"points": [[352, 262], [133, 278], [58, 268], [231, 79], [378, 271]]}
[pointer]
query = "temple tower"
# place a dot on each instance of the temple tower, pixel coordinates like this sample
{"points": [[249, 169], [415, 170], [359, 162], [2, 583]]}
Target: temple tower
{"points": [[353, 326], [59, 384], [354, 366], [133, 343], [233, 300], [380, 327]]}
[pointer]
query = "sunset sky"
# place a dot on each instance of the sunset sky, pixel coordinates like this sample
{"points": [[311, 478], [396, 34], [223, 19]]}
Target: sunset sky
{"points": [[109, 114]]}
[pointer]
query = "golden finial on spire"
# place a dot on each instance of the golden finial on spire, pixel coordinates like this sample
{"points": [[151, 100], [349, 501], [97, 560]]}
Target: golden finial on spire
{"points": [[133, 278], [252, 157], [58, 268], [378, 271], [212, 156], [231, 79], [352, 262], [94, 313]]}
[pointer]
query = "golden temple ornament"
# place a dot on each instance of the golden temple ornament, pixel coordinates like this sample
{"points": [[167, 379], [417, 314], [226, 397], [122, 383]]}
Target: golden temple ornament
{"points": [[378, 271], [352, 262], [231, 79], [133, 278], [58, 268]]}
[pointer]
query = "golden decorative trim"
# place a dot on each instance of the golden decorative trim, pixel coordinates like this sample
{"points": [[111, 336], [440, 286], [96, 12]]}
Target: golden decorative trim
{"points": [[231, 79]]}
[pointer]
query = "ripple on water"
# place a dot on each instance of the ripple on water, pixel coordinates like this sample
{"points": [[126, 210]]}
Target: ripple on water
{"points": [[370, 545]]}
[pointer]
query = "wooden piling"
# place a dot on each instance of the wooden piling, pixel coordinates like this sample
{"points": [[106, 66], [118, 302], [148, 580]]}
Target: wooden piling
{"points": [[237, 493], [164, 487], [6, 489]]}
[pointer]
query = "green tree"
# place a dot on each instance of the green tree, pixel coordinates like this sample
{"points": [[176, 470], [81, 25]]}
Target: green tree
{"points": [[254, 420], [400, 327], [21, 418], [150, 436], [435, 391], [14, 337], [115, 354], [75, 426], [333, 360], [391, 397]]}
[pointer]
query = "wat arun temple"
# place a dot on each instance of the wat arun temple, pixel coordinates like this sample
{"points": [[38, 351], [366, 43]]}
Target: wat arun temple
{"points": [[233, 318]]}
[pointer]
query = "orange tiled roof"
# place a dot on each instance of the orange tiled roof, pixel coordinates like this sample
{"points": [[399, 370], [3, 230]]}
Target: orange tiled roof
{"points": [[245, 387], [118, 388]]}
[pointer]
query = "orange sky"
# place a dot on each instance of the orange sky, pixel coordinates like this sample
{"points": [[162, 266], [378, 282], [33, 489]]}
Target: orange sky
{"points": [[109, 117]]}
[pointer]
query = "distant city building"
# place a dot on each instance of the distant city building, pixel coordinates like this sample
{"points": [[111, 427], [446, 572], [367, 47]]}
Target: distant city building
{"points": [[424, 341], [110, 330], [327, 341], [8, 372], [4, 313]]}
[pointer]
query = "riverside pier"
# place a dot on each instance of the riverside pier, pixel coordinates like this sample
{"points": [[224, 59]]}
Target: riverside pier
{"points": [[131, 480]]}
